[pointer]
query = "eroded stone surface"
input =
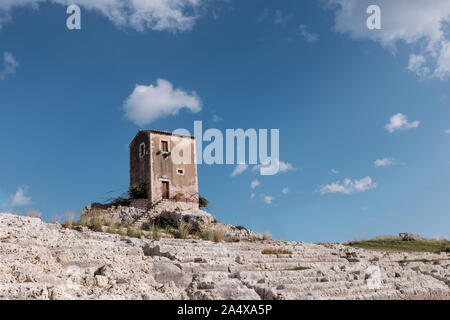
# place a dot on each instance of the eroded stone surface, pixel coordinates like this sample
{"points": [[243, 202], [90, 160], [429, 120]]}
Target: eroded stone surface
{"points": [[45, 261]]}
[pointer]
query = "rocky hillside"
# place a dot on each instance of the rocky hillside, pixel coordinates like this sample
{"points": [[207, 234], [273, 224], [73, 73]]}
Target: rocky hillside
{"points": [[46, 261]]}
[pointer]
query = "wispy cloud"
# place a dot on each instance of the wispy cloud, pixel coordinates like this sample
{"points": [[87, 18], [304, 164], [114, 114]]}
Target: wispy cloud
{"points": [[308, 36], [172, 15], [285, 190], [147, 104], [447, 131], [254, 184], [334, 171], [268, 199], [281, 19], [10, 65], [283, 167], [348, 186], [239, 169], [216, 118], [263, 15], [400, 122], [19, 199], [387, 162]]}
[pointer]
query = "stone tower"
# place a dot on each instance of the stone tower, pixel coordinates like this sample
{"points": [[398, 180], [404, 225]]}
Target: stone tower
{"points": [[152, 166]]}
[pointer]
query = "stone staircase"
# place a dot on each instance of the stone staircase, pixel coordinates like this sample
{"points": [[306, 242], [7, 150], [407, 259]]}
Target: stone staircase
{"points": [[153, 211], [239, 270]]}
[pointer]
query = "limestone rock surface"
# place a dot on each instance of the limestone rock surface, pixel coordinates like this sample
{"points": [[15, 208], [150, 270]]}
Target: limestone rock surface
{"points": [[45, 261]]}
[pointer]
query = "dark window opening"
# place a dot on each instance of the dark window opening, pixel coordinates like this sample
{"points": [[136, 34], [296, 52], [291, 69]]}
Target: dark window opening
{"points": [[142, 150], [164, 146]]}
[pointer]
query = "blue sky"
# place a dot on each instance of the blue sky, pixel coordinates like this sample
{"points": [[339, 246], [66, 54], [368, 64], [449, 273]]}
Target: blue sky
{"points": [[342, 96]]}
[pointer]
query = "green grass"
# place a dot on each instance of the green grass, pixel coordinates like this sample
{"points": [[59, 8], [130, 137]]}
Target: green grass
{"points": [[396, 244], [299, 268], [421, 260], [276, 251]]}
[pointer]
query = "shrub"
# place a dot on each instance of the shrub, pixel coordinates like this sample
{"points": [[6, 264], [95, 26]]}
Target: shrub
{"points": [[112, 229], [68, 220], [266, 236], [138, 192], [182, 231], [121, 202], [203, 202], [134, 233], [33, 213], [96, 225], [215, 235]]}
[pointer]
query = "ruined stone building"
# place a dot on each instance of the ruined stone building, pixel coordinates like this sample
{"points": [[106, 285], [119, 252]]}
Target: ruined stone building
{"points": [[152, 166]]}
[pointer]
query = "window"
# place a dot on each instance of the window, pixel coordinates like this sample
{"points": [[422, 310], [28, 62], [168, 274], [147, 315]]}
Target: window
{"points": [[141, 150], [180, 172], [164, 146]]}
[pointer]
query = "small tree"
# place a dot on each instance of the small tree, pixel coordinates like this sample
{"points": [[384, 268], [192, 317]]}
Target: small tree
{"points": [[203, 202], [138, 192]]}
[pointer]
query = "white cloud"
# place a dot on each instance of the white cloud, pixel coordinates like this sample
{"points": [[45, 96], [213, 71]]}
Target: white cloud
{"points": [[447, 131], [239, 169], [308, 36], [252, 196], [149, 103], [419, 23], [19, 199], [254, 184], [283, 167], [334, 171], [216, 118], [268, 199], [400, 122], [417, 65], [10, 65], [385, 162], [285, 190], [349, 186], [280, 19], [174, 15]]}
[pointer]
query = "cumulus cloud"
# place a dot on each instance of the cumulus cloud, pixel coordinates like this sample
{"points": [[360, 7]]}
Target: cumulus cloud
{"points": [[349, 186], [173, 15], [283, 167], [10, 65], [252, 196], [285, 190], [149, 103], [417, 65], [400, 122], [239, 169], [254, 184], [268, 199], [19, 199], [418, 23], [308, 36]]}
